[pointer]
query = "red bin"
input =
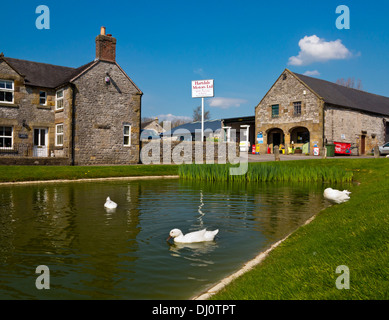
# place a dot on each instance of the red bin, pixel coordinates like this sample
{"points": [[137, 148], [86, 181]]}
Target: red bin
{"points": [[342, 148]]}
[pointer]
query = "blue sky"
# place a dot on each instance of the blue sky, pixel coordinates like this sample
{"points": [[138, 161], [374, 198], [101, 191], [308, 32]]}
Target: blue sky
{"points": [[243, 45]]}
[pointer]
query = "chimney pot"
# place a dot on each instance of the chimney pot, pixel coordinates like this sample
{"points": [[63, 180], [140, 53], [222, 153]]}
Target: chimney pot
{"points": [[105, 46]]}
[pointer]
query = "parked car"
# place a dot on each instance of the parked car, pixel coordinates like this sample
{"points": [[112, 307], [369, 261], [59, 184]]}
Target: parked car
{"points": [[384, 149], [147, 134]]}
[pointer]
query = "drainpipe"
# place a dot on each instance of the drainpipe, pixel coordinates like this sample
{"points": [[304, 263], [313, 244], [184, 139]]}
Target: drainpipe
{"points": [[73, 125], [323, 108], [140, 126]]}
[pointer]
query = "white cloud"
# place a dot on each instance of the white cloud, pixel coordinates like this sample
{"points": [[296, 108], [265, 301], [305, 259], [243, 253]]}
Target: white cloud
{"points": [[199, 71], [315, 49], [312, 73], [171, 117], [225, 103]]}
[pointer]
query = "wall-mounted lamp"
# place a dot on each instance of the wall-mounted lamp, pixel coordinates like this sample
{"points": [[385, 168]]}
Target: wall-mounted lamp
{"points": [[25, 125], [107, 78]]}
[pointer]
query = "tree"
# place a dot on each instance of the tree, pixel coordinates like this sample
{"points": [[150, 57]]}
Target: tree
{"points": [[197, 114], [146, 119], [350, 83], [176, 122]]}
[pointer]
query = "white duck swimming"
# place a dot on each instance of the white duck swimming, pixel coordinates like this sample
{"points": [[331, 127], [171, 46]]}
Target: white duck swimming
{"points": [[197, 236], [109, 204], [336, 196]]}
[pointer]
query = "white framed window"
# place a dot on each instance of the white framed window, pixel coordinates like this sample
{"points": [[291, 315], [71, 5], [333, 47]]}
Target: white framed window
{"points": [[59, 99], [297, 108], [6, 91], [6, 137], [42, 98], [127, 135], [59, 135]]}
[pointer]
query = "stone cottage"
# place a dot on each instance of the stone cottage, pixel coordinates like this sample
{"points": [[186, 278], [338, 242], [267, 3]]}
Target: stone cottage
{"points": [[151, 129], [299, 110], [84, 116]]}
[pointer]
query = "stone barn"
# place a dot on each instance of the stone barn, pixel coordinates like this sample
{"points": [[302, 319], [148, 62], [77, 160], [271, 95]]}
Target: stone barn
{"points": [[304, 112]]}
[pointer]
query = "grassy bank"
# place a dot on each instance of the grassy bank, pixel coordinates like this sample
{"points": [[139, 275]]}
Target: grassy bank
{"points": [[354, 234], [291, 171], [34, 173]]}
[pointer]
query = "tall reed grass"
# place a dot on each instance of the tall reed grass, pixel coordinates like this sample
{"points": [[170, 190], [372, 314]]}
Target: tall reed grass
{"points": [[266, 172]]}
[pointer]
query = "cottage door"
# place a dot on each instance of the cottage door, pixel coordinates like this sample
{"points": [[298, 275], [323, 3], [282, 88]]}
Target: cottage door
{"points": [[363, 144], [40, 142]]}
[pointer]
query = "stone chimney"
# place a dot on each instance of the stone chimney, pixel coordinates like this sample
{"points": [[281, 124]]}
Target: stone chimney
{"points": [[105, 46]]}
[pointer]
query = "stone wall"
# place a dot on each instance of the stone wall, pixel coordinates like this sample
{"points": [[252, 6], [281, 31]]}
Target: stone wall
{"points": [[187, 152], [23, 161], [284, 92], [101, 111], [349, 126]]}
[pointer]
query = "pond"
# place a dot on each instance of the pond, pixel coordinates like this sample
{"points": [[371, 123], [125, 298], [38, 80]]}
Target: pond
{"points": [[95, 254]]}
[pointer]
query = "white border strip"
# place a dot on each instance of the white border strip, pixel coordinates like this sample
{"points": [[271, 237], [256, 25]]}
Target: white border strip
{"points": [[88, 180]]}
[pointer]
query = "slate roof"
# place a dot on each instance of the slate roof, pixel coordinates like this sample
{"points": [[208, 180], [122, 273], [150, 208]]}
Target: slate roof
{"points": [[145, 134], [239, 119], [193, 126], [43, 74], [339, 95], [145, 124]]}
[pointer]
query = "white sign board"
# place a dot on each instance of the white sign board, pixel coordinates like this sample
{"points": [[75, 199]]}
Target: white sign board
{"points": [[202, 89]]}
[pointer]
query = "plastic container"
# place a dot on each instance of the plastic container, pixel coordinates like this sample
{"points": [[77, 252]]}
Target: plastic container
{"points": [[330, 150]]}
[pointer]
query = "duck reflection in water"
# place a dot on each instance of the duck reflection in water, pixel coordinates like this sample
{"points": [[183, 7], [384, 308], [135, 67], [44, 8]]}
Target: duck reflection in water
{"points": [[194, 248]]}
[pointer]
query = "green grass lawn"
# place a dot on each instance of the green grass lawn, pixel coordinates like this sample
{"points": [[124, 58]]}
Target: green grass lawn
{"points": [[34, 173], [354, 234]]}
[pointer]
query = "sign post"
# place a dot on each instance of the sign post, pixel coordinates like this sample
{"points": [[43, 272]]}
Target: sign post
{"points": [[227, 134], [244, 145], [202, 89], [202, 118]]}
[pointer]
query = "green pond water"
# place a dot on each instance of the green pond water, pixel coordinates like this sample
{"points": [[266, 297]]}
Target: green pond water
{"points": [[92, 253]]}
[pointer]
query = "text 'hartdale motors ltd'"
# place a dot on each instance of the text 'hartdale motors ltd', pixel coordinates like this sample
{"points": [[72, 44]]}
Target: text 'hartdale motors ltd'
{"points": [[204, 310]]}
